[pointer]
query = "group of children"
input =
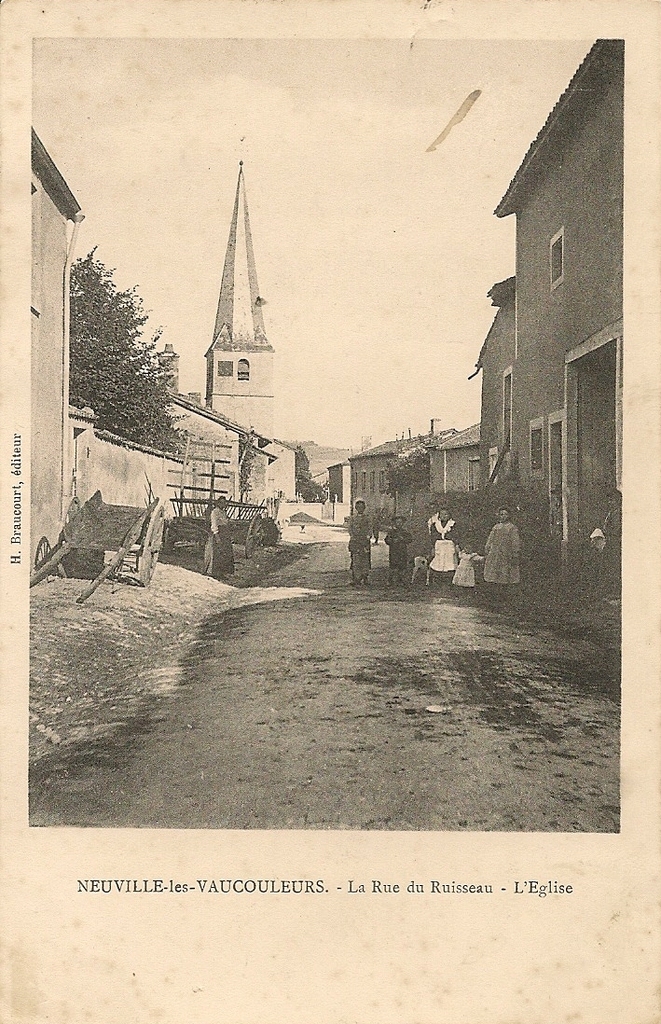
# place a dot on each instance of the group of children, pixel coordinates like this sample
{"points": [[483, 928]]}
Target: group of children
{"points": [[450, 562]]}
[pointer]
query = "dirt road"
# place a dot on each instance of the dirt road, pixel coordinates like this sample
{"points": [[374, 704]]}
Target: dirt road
{"points": [[311, 713]]}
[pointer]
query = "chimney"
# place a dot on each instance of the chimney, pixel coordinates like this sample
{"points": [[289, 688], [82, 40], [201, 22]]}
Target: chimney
{"points": [[195, 397], [169, 361], [436, 427]]}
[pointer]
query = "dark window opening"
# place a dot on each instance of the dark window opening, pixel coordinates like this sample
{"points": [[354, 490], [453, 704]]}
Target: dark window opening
{"points": [[536, 450], [226, 369], [243, 370], [507, 410], [557, 261]]}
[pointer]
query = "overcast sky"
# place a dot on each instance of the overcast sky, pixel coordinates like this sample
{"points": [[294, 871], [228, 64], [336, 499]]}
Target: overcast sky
{"points": [[374, 256]]}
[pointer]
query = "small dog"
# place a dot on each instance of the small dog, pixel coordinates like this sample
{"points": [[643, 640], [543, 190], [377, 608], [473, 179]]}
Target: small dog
{"points": [[420, 565]]}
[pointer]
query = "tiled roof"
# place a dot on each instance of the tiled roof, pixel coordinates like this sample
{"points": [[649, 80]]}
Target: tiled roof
{"points": [[122, 442], [44, 167], [605, 56], [464, 439], [405, 445], [502, 293], [217, 417]]}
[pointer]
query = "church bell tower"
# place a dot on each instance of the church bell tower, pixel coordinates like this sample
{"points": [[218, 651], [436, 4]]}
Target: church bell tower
{"points": [[240, 358]]}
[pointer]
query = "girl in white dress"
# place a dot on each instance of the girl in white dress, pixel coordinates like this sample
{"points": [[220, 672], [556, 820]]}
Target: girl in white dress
{"points": [[465, 574], [445, 547]]}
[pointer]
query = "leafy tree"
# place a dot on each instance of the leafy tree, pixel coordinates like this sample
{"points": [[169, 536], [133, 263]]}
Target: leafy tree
{"points": [[247, 456], [113, 368], [308, 489], [409, 472]]}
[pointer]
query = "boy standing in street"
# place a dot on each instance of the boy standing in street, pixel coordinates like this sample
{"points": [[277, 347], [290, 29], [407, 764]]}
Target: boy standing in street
{"points": [[398, 540]]}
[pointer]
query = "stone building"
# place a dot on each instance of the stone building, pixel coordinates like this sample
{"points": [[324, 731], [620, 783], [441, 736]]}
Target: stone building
{"points": [[495, 361], [203, 424], [454, 464], [369, 469], [552, 362], [56, 215], [339, 482]]}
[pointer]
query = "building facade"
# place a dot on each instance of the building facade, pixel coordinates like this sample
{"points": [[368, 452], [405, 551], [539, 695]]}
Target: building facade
{"points": [[55, 217], [282, 471], [552, 362], [496, 360], [454, 465], [369, 469], [239, 381], [203, 424], [339, 482]]}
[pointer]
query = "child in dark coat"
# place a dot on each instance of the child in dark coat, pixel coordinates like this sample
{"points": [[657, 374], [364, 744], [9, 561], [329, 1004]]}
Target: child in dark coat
{"points": [[398, 540]]}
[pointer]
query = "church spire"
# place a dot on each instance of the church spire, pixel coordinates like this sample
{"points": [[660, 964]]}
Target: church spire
{"points": [[239, 358], [239, 319]]}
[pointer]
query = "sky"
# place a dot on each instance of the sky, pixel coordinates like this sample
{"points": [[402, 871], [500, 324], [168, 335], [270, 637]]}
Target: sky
{"points": [[374, 256]]}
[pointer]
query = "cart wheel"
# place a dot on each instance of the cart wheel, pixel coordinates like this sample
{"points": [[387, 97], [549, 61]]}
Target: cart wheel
{"points": [[43, 552], [152, 545]]}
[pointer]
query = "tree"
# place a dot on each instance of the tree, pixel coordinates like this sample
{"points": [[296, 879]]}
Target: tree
{"points": [[409, 472], [247, 456], [113, 368], [308, 489]]}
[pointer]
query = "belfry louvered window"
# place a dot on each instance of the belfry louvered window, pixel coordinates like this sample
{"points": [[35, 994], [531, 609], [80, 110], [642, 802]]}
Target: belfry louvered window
{"points": [[243, 370]]}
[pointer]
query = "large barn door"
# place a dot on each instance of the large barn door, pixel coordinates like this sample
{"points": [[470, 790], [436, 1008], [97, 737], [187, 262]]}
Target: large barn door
{"points": [[596, 436]]}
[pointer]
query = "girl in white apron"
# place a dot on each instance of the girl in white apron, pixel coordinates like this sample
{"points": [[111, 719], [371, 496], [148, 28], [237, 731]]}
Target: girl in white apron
{"points": [[445, 547]]}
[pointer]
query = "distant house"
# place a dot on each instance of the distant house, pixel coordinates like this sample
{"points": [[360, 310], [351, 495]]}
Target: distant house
{"points": [[369, 469], [552, 362], [56, 215], [339, 482], [455, 462], [282, 471]]}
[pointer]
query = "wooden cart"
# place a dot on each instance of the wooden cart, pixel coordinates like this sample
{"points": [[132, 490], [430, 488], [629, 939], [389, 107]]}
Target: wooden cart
{"points": [[132, 536], [206, 476]]}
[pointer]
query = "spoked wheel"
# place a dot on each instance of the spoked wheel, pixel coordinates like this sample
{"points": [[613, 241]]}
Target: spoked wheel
{"points": [[43, 552], [152, 545]]}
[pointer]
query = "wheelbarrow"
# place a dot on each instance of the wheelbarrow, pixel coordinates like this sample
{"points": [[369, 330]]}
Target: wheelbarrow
{"points": [[132, 535]]}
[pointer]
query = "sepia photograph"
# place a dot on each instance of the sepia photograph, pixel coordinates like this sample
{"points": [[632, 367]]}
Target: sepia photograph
{"points": [[331, 562], [326, 434]]}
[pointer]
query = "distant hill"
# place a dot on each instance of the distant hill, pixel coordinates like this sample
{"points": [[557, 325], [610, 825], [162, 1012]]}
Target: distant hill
{"points": [[321, 456]]}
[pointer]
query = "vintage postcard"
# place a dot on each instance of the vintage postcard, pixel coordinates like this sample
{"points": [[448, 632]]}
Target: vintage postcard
{"points": [[330, 570]]}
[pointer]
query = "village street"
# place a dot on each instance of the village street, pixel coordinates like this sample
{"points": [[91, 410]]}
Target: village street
{"points": [[312, 713]]}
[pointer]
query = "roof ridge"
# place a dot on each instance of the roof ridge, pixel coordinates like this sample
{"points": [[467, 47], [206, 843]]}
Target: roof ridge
{"points": [[598, 48]]}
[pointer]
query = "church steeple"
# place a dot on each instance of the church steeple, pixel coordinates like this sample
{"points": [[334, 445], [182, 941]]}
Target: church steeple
{"points": [[241, 388], [239, 312]]}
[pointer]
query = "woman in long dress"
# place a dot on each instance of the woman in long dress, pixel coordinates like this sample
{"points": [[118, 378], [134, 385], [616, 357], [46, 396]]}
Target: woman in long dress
{"points": [[445, 546], [218, 554], [501, 563]]}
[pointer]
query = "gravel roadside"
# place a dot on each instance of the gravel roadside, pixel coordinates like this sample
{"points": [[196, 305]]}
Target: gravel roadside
{"points": [[96, 665]]}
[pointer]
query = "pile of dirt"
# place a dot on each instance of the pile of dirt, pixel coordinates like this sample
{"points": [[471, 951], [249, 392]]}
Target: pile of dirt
{"points": [[303, 517], [93, 665]]}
